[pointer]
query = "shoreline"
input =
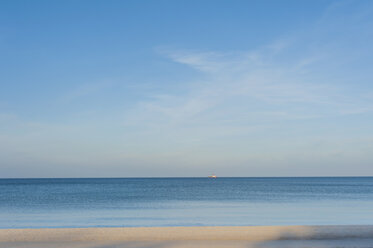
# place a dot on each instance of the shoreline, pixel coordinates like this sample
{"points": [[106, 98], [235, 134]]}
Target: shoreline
{"points": [[209, 236]]}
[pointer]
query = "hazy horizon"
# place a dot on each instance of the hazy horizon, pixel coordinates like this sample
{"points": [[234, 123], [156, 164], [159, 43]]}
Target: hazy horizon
{"points": [[191, 177], [186, 89]]}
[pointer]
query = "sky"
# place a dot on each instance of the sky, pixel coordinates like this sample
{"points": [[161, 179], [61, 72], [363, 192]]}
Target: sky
{"points": [[186, 88]]}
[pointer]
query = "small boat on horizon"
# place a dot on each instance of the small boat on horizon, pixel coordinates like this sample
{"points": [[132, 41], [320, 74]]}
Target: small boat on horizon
{"points": [[213, 176]]}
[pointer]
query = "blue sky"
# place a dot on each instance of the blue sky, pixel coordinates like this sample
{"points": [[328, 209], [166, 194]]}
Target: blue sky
{"points": [[186, 88]]}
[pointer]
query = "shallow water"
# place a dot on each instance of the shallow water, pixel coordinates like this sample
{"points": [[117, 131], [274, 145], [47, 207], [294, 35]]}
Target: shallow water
{"points": [[120, 202]]}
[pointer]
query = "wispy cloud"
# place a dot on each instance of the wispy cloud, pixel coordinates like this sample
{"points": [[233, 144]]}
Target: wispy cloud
{"points": [[303, 75]]}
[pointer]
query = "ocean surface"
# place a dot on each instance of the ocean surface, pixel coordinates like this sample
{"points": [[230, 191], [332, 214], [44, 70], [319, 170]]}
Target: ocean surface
{"points": [[131, 202]]}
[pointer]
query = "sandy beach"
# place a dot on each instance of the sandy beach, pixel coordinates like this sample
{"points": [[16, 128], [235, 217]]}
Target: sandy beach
{"points": [[183, 237]]}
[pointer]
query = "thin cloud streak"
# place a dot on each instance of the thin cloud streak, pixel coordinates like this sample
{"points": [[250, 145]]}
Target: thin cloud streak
{"points": [[290, 76]]}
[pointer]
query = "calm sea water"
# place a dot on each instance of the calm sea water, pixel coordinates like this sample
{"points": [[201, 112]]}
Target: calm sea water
{"points": [[121, 202]]}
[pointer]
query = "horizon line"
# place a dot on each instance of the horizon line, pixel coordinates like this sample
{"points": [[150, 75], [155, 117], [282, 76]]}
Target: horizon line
{"points": [[2, 178]]}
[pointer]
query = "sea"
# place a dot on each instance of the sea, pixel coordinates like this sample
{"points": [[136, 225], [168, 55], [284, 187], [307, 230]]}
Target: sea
{"points": [[145, 202]]}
